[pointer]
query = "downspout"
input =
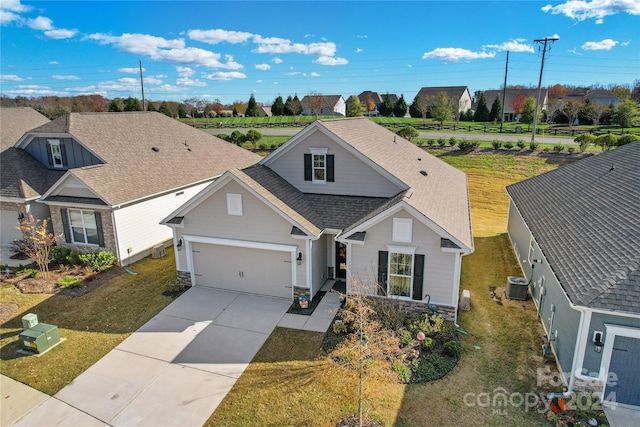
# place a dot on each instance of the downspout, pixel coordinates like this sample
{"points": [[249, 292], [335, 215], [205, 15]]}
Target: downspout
{"points": [[115, 235]]}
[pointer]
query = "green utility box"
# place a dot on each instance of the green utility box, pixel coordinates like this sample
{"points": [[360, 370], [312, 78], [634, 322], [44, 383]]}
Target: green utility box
{"points": [[29, 321], [40, 338]]}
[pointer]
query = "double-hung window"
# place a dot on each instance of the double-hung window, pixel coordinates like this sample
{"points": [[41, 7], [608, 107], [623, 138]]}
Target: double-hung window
{"points": [[401, 262], [56, 153], [319, 164], [84, 228]]}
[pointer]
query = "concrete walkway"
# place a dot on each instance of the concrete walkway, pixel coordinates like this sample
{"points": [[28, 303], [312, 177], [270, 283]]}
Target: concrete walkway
{"points": [[622, 415], [174, 371]]}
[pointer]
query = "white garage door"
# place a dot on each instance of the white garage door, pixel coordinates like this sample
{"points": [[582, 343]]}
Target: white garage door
{"points": [[8, 230], [258, 271]]}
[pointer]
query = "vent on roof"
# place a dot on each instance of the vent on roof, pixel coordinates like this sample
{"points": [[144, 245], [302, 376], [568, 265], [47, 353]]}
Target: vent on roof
{"points": [[156, 149], [419, 159], [424, 172]]}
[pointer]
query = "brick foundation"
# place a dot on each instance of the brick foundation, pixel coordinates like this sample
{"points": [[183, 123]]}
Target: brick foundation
{"points": [[300, 291]]}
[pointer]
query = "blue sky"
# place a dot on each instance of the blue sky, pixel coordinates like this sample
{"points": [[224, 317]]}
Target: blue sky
{"points": [[231, 49]]}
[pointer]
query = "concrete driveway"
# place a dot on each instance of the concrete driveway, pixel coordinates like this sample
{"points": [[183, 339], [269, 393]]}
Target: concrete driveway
{"points": [[175, 370]]}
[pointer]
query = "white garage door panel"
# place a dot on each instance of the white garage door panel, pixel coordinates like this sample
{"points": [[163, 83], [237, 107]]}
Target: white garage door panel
{"points": [[258, 271], [8, 230]]}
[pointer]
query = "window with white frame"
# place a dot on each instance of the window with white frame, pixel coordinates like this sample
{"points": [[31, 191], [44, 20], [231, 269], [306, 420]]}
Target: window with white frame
{"points": [[319, 164], [401, 262], [56, 153], [402, 230], [84, 228], [234, 204]]}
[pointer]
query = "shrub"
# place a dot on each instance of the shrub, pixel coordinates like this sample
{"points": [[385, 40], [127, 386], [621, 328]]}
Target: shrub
{"points": [[496, 144], [420, 143], [59, 254], [408, 133], [584, 141], [430, 325], [558, 148], [339, 327], [100, 261], [626, 139], [441, 142], [402, 370], [468, 146], [26, 271], [521, 144], [571, 150], [273, 146], [508, 145], [452, 141], [263, 146], [70, 282], [533, 146], [432, 367], [430, 142], [453, 349], [606, 141], [406, 339]]}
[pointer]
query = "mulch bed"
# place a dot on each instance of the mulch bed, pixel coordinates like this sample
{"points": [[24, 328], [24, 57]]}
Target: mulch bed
{"points": [[295, 308]]}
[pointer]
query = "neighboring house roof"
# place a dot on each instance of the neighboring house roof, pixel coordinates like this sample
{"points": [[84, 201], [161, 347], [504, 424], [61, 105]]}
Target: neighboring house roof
{"points": [[367, 96], [586, 219], [21, 175], [455, 92], [266, 111], [146, 153], [328, 101], [14, 122]]}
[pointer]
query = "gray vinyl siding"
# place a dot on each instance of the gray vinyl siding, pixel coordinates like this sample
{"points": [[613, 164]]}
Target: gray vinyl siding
{"points": [[353, 177], [76, 156], [592, 359], [258, 223], [566, 319], [439, 271]]}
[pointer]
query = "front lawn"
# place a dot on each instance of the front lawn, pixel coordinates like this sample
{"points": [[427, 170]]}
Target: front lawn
{"points": [[91, 324], [292, 382]]}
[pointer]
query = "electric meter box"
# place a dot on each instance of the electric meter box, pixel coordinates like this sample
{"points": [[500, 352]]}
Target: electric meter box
{"points": [[39, 338], [29, 321]]}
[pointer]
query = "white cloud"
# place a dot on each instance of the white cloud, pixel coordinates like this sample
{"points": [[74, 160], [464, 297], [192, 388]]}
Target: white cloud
{"points": [[273, 45], [314, 74], [40, 23], [606, 44], [130, 70], [362, 36], [581, 10], [185, 79], [61, 33], [514, 45], [330, 60], [454, 54], [276, 60], [219, 36], [44, 24], [65, 77], [10, 78], [53, 62], [225, 75], [358, 50], [263, 67], [7, 17], [185, 71], [10, 10], [33, 90]]}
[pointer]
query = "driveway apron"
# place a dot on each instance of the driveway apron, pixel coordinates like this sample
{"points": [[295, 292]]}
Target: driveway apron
{"points": [[177, 368]]}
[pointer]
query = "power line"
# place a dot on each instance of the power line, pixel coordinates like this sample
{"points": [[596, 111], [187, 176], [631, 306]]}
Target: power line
{"points": [[535, 112]]}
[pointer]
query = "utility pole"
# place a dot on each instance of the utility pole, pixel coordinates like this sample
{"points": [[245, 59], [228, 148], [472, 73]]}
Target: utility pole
{"points": [[144, 108], [544, 51], [504, 91]]}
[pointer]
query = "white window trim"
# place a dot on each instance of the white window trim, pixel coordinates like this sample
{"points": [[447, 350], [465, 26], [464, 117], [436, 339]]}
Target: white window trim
{"points": [[399, 225], [56, 143], [315, 151], [234, 204], [405, 250], [84, 228]]}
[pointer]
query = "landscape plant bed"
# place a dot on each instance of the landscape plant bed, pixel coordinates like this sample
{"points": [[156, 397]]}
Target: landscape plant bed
{"points": [[296, 309]]}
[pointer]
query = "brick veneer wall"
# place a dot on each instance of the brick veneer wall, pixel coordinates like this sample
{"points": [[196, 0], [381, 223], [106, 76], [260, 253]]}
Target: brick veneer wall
{"points": [[107, 230]]}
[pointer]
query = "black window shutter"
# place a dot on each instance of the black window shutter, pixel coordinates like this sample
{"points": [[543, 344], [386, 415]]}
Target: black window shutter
{"points": [[99, 229], [308, 170], [383, 267], [65, 225], [330, 168], [418, 276], [49, 154], [63, 153]]}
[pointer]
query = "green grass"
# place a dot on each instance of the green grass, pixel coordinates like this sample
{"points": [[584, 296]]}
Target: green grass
{"points": [[291, 382], [92, 324]]}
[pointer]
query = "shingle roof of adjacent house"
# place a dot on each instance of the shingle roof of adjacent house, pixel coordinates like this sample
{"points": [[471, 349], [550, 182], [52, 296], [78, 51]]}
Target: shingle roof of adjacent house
{"points": [[586, 219], [451, 91], [328, 101], [21, 176], [146, 153]]}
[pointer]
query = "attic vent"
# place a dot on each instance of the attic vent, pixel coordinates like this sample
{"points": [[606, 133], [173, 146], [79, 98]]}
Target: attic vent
{"points": [[423, 172], [156, 149], [419, 159]]}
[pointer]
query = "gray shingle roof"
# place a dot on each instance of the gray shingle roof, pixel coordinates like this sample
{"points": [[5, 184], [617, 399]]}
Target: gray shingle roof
{"points": [[586, 219], [133, 170]]}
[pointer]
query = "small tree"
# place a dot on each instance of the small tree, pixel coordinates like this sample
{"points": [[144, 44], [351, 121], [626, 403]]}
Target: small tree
{"points": [[164, 109], [151, 107], [354, 107], [386, 108], [252, 107], [442, 109], [606, 141], [496, 110], [132, 104], [626, 114], [528, 113], [400, 108], [36, 242], [419, 107], [408, 133], [114, 107], [239, 107], [482, 111], [517, 102], [570, 110], [277, 109], [253, 136], [315, 101]]}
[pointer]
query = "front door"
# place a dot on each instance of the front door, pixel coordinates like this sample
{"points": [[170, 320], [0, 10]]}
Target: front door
{"points": [[341, 260]]}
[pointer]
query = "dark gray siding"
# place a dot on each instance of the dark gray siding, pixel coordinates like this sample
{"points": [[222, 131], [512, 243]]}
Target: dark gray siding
{"points": [[566, 320], [75, 155], [591, 358]]}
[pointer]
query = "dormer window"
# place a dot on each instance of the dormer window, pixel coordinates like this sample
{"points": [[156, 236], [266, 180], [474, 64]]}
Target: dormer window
{"points": [[55, 153], [319, 166]]}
